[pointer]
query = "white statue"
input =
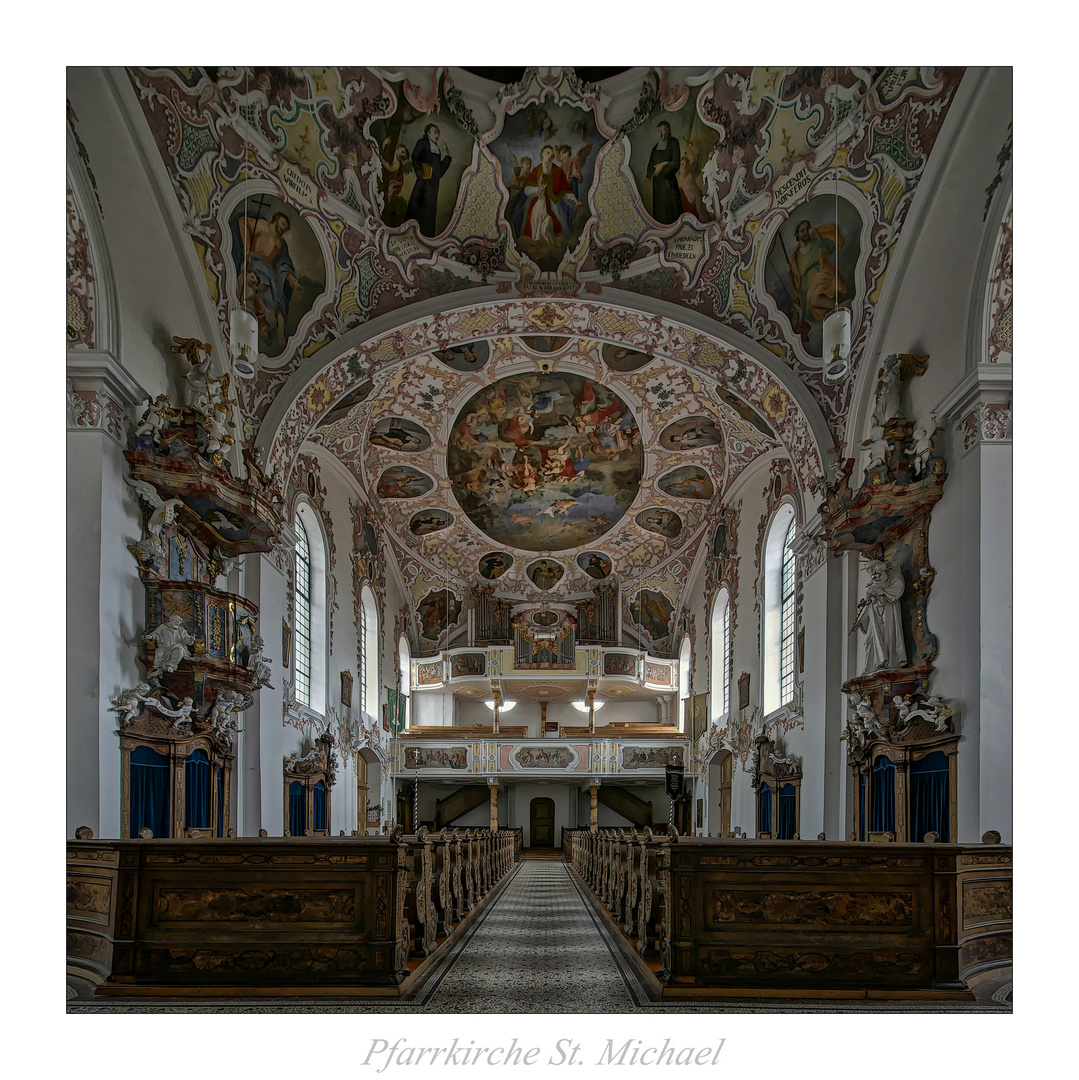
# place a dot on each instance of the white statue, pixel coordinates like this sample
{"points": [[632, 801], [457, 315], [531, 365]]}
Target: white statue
{"points": [[197, 393], [878, 448], [921, 451], [217, 429], [881, 618], [863, 724], [888, 390], [128, 704], [171, 640], [258, 663], [163, 510], [223, 713]]}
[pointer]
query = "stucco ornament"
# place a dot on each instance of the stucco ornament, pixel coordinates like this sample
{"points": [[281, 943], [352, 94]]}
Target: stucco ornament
{"points": [[880, 617]]}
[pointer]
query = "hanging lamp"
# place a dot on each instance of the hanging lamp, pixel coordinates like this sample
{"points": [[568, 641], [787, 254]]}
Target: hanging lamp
{"points": [[243, 326], [836, 328]]}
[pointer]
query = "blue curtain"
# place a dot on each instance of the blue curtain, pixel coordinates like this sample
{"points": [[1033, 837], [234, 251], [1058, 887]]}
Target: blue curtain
{"points": [[764, 810], [197, 790], [296, 817], [149, 791], [861, 806], [929, 796], [221, 800], [786, 805], [882, 812], [318, 811]]}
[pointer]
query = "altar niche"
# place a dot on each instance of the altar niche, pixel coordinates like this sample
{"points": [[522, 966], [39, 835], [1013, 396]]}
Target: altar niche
{"points": [[308, 782]]}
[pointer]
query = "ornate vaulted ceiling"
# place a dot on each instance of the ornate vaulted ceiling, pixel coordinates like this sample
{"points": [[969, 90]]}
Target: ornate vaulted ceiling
{"points": [[514, 412]]}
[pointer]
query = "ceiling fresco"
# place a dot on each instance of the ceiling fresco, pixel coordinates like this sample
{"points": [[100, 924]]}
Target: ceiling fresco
{"points": [[530, 426]]}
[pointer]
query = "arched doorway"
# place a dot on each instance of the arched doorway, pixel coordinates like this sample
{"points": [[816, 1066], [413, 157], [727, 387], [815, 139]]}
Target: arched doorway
{"points": [[541, 823]]}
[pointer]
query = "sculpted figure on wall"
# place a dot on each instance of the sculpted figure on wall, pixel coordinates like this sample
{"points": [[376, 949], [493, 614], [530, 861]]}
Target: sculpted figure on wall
{"points": [[880, 618]]}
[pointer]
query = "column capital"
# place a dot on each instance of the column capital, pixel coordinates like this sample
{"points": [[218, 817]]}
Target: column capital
{"points": [[980, 406], [100, 393]]}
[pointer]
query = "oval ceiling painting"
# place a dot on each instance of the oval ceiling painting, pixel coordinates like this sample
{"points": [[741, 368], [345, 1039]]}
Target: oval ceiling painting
{"points": [[495, 564], [665, 522], [430, 521], [545, 461], [470, 357], [619, 358], [544, 618], [346, 404], [690, 433], [394, 433], [595, 564], [401, 482], [545, 573], [687, 482]]}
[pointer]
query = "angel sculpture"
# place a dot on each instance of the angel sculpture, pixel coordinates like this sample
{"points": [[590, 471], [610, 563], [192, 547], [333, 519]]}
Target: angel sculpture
{"points": [[197, 378], [157, 416], [226, 705], [128, 704], [162, 511], [221, 565], [171, 642], [181, 717]]}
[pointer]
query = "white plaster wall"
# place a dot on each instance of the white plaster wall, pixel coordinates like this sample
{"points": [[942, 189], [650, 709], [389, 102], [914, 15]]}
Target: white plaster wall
{"points": [[565, 799], [154, 287]]}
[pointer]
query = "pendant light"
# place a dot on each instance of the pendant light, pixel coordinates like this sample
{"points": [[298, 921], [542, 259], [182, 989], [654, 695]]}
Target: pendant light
{"points": [[836, 329], [243, 326]]}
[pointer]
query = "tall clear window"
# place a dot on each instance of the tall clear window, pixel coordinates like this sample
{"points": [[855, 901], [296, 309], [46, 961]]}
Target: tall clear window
{"points": [[368, 646], [302, 636], [721, 655], [780, 629], [789, 619]]}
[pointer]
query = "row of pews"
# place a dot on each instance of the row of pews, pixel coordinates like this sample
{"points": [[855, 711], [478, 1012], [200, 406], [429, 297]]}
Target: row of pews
{"points": [[815, 916], [273, 915]]}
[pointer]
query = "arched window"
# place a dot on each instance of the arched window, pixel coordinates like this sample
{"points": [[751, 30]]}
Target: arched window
{"points": [[780, 610], [405, 659], [310, 636], [685, 669], [721, 655], [368, 650], [302, 642]]}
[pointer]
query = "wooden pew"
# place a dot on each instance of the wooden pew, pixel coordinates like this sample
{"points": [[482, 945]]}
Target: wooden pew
{"points": [[419, 899], [239, 912]]}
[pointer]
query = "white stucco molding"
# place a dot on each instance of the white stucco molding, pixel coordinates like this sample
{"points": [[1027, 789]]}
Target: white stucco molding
{"points": [[809, 546], [101, 394], [980, 406]]}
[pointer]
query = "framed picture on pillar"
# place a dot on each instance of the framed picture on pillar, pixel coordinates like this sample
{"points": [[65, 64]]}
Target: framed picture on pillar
{"points": [[802, 651], [743, 690], [346, 689], [286, 643]]}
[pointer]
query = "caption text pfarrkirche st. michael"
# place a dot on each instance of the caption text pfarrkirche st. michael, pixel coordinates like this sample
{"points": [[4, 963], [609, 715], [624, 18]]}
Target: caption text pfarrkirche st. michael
{"points": [[383, 1054]]}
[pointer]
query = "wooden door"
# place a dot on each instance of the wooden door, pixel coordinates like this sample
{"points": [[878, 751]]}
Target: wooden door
{"points": [[541, 822]]}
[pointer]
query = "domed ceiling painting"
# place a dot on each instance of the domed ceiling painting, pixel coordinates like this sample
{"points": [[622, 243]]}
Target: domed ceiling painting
{"points": [[518, 403], [545, 462]]}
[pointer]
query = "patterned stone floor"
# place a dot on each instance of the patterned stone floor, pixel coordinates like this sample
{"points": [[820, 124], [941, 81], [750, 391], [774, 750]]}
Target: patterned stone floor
{"points": [[539, 947]]}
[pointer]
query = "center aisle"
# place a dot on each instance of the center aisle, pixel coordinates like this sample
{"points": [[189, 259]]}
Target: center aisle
{"points": [[538, 950]]}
